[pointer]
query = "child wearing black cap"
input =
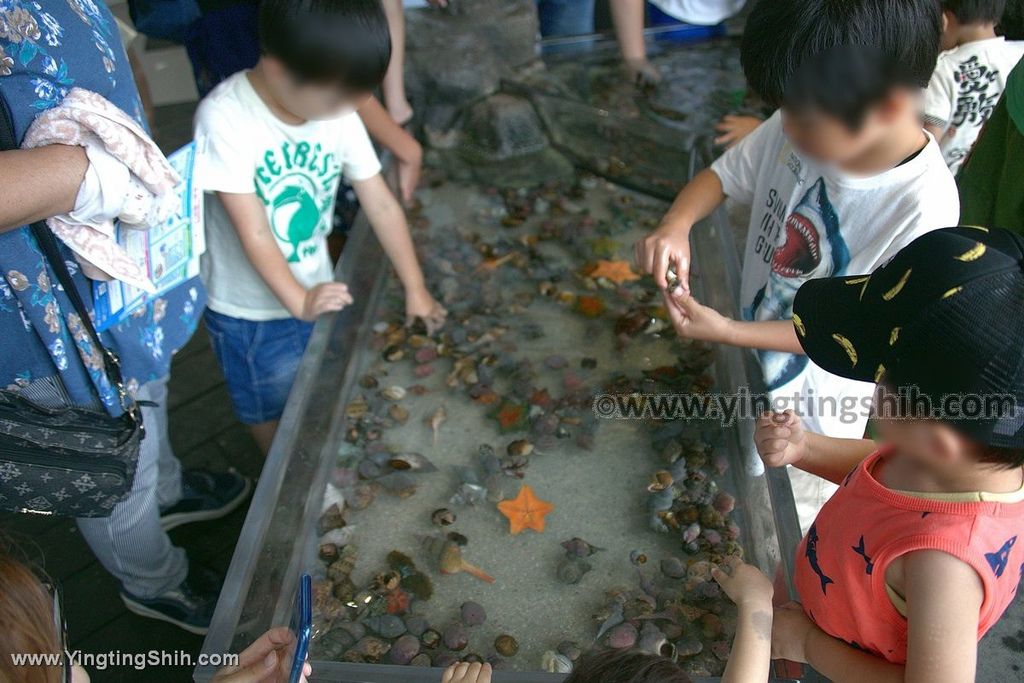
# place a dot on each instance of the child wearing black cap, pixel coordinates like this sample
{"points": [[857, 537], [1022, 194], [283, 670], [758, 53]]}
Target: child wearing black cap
{"points": [[921, 549]]}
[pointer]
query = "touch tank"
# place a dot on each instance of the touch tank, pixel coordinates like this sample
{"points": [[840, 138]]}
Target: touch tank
{"points": [[465, 495]]}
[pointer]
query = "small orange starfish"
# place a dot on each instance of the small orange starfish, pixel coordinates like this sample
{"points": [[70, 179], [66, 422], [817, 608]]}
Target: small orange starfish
{"points": [[525, 511], [614, 271]]}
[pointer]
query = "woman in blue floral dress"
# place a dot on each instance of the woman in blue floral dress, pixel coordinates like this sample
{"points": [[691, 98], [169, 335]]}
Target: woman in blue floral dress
{"points": [[47, 48]]}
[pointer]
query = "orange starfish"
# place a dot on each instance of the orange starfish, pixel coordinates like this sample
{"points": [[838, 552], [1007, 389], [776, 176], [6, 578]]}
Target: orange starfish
{"points": [[525, 511], [614, 271]]}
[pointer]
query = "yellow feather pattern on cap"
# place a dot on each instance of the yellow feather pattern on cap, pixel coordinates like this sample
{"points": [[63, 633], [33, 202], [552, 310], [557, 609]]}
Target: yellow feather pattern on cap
{"points": [[972, 254], [894, 335], [878, 373], [848, 346], [799, 325], [892, 293], [952, 292]]}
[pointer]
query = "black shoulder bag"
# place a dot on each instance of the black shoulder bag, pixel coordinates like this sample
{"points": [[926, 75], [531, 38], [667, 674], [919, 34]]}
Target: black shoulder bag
{"points": [[69, 461]]}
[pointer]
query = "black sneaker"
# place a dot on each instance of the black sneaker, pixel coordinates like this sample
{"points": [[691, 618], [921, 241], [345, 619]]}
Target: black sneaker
{"points": [[189, 606], [206, 495]]}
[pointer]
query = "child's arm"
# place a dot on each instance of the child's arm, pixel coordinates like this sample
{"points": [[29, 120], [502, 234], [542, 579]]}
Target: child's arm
{"points": [[669, 245], [944, 598], [781, 440], [250, 221], [693, 320], [408, 152], [752, 592], [389, 224]]}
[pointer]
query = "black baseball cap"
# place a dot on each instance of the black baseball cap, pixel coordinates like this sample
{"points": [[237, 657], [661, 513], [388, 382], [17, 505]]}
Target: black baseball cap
{"points": [[944, 318]]}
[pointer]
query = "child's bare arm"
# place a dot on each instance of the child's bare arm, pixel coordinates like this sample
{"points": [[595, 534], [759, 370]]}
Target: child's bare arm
{"points": [[389, 224], [781, 440], [752, 592], [250, 222], [944, 597], [408, 152], [694, 320], [669, 245]]}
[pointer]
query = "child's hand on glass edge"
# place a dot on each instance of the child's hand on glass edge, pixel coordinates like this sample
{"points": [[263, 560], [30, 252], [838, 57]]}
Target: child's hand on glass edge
{"points": [[325, 297], [467, 673], [780, 439], [419, 304], [733, 128], [743, 583], [790, 630]]}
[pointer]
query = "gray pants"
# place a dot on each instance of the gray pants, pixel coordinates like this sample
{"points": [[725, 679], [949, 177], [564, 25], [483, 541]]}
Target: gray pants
{"points": [[130, 543]]}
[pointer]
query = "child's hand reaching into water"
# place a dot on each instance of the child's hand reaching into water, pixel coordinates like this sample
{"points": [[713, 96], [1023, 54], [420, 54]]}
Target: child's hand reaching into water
{"points": [[419, 304], [467, 673], [744, 584]]}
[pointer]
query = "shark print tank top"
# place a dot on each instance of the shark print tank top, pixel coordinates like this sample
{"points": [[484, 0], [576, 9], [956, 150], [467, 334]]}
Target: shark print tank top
{"points": [[841, 562]]}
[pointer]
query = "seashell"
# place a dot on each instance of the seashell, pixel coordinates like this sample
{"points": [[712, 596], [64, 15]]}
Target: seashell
{"points": [[660, 481], [519, 447], [699, 571], [332, 518], [724, 502], [385, 625], [328, 552], [445, 659], [357, 408], [622, 637], [393, 353], [370, 649], [506, 645], [571, 569], [637, 558], [673, 568], [398, 413], [556, 663], [469, 494], [368, 469], [416, 625], [426, 354], [691, 533], [472, 658], [415, 462], [579, 548], [472, 613], [356, 629], [430, 638], [344, 590], [688, 647], [335, 642], [571, 650], [403, 650], [422, 659], [711, 625], [368, 382], [386, 581], [360, 496], [443, 517], [652, 640], [393, 393], [398, 483], [455, 637]]}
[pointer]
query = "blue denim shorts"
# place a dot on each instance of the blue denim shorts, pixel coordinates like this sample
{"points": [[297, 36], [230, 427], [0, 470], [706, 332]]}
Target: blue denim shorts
{"points": [[259, 360]]}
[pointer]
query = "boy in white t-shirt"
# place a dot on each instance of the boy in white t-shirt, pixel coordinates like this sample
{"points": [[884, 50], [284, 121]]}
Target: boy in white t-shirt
{"points": [[969, 77], [839, 180], [275, 142]]}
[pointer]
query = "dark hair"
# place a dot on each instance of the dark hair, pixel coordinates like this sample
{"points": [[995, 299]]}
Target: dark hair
{"points": [[328, 41], [1012, 23], [625, 666], [839, 56], [975, 11], [1009, 458]]}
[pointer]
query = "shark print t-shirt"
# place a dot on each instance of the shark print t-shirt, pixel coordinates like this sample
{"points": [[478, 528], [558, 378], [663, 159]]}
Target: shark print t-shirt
{"points": [[811, 221], [294, 170], [965, 87]]}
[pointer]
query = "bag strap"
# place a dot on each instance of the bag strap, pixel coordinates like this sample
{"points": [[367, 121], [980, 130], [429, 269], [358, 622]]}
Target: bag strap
{"points": [[51, 250]]}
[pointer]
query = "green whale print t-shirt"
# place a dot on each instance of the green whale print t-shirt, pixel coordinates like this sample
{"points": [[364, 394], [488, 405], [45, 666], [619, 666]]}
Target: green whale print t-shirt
{"points": [[294, 170]]}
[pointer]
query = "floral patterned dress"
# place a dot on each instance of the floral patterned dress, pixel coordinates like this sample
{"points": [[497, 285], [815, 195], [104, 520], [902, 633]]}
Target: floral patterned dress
{"points": [[46, 48]]}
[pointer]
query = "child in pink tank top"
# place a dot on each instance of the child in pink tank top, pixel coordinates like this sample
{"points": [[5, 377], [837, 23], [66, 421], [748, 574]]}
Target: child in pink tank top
{"points": [[921, 549]]}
